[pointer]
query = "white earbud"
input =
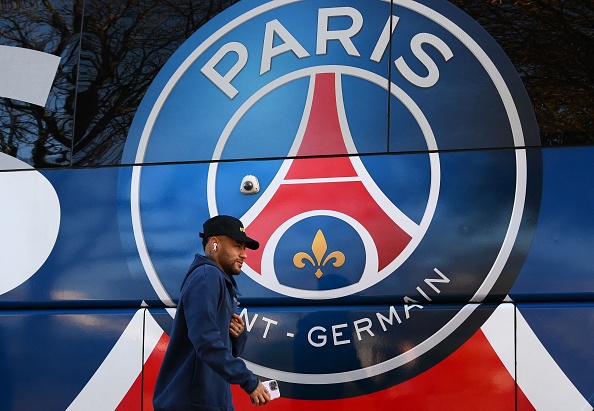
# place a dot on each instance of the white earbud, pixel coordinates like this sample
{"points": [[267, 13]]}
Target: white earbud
{"points": [[214, 246]]}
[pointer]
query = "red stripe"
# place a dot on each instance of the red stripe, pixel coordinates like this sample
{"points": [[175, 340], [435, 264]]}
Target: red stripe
{"points": [[323, 134], [131, 400], [151, 370]]}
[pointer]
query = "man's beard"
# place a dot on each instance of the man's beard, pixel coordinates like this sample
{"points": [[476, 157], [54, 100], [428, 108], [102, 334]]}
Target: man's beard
{"points": [[228, 264]]}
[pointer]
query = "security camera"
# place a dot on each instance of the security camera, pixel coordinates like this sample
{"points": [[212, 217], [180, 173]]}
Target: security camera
{"points": [[249, 185]]}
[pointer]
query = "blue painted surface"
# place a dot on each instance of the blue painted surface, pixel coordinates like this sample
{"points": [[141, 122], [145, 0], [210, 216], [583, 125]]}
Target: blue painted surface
{"points": [[559, 264], [90, 258], [48, 356]]}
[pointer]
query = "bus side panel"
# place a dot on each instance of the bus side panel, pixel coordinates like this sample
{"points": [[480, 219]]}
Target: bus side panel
{"points": [[477, 375], [71, 359], [555, 359], [559, 264]]}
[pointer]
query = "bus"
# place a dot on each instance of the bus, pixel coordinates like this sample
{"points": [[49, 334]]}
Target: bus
{"points": [[418, 174]]}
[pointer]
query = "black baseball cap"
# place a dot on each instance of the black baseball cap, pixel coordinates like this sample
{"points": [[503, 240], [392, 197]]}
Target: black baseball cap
{"points": [[229, 226]]}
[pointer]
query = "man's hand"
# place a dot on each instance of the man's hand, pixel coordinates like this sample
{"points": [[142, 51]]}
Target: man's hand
{"points": [[260, 396], [236, 326]]}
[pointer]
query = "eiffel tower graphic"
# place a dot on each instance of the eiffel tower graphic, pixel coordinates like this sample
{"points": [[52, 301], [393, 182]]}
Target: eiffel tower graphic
{"points": [[333, 183]]}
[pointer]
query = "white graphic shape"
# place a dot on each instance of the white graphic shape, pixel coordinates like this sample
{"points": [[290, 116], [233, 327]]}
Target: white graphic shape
{"points": [[542, 380], [30, 211], [27, 75], [539, 376], [120, 369]]}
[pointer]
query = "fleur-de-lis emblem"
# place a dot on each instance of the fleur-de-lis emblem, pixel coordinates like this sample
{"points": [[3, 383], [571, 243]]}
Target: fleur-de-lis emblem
{"points": [[319, 248]]}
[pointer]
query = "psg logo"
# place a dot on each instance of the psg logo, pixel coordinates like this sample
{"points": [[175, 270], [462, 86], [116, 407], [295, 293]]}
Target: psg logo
{"points": [[391, 143]]}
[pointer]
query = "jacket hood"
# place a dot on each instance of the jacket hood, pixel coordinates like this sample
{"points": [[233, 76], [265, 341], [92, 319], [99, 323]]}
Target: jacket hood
{"points": [[200, 260]]}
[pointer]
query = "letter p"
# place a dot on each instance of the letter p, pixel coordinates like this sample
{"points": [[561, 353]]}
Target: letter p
{"points": [[223, 82]]}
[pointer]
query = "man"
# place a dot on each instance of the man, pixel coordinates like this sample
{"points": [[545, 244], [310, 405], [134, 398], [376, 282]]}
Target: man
{"points": [[207, 335]]}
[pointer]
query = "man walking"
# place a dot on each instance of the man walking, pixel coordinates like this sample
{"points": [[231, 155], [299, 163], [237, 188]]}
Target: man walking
{"points": [[207, 334]]}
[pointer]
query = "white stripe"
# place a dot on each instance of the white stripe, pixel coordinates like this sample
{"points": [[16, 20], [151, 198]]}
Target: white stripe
{"points": [[114, 377], [540, 378], [152, 334], [322, 180], [499, 330], [27, 75]]}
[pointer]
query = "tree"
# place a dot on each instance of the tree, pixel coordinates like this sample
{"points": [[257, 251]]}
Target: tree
{"points": [[111, 52], [550, 44]]}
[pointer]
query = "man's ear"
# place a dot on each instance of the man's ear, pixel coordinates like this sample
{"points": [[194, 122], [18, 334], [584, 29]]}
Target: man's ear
{"points": [[214, 243]]}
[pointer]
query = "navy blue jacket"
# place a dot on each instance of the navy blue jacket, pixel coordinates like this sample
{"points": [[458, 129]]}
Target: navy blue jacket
{"points": [[201, 359]]}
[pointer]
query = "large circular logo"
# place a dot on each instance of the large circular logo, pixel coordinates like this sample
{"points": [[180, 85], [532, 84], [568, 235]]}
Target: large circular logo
{"points": [[391, 141]]}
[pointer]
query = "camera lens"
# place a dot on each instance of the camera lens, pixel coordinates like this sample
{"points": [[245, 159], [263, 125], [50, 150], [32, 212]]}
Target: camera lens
{"points": [[248, 186]]}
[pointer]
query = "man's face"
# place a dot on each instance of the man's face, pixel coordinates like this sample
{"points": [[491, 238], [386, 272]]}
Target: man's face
{"points": [[231, 255]]}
